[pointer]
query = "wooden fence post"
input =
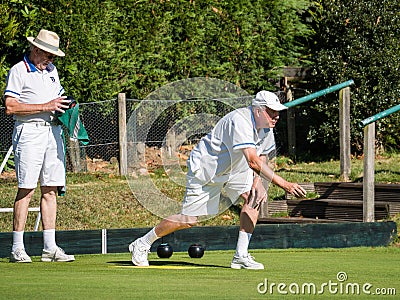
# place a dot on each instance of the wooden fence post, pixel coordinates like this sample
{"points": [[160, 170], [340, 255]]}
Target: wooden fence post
{"points": [[344, 133], [123, 151], [75, 155], [369, 172], [291, 124]]}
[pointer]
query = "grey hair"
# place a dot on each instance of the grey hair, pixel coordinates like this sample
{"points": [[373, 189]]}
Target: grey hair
{"points": [[257, 105]]}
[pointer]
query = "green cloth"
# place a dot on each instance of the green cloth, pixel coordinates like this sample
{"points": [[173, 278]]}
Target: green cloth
{"points": [[76, 131], [70, 119]]}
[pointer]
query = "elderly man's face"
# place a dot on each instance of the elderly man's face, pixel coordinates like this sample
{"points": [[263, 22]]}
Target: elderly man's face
{"points": [[41, 59], [265, 117]]}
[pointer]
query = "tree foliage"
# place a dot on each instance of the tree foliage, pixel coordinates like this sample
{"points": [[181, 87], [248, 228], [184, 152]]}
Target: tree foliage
{"points": [[358, 40], [17, 19], [136, 46]]}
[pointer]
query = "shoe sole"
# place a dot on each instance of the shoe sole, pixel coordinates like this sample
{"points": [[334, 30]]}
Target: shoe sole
{"points": [[239, 266], [59, 260], [20, 261]]}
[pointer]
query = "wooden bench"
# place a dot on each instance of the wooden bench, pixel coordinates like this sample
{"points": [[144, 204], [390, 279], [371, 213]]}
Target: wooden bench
{"points": [[385, 193], [338, 201], [334, 209]]}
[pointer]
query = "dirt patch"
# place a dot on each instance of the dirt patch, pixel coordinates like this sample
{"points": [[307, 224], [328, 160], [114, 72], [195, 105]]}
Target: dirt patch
{"points": [[154, 158], [99, 165], [8, 175]]}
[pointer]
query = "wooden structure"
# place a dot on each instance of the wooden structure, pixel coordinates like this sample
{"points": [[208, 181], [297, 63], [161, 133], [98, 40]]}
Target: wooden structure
{"points": [[336, 202], [293, 84], [369, 160], [122, 131], [287, 84]]}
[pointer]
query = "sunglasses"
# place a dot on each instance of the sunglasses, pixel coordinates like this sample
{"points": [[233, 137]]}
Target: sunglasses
{"points": [[272, 113], [48, 55]]}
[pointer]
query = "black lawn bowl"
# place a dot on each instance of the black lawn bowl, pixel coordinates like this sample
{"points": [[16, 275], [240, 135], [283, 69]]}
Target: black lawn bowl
{"points": [[164, 250], [196, 251]]}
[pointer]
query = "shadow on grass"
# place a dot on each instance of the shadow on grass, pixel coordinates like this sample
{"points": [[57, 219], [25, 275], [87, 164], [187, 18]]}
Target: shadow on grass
{"points": [[167, 263]]}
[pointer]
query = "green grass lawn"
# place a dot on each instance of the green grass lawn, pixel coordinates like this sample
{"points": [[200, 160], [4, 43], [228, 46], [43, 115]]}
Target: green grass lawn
{"points": [[112, 276], [104, 200]]}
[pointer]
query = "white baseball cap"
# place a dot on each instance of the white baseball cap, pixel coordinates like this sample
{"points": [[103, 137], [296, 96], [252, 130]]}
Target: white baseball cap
{"points": [[269, 99]]}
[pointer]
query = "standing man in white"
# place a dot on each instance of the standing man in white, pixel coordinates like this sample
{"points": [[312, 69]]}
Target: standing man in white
{"points": [[33, 95], [233, 157]]}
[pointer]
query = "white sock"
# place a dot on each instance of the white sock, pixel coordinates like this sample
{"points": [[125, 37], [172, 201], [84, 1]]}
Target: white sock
{"points": [[249, 235], [149, 238], [49, 239], [243, 244], [18, 240]]}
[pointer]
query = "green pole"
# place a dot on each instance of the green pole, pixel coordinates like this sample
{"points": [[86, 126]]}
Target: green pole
{"points": [[319, 93], [380, 115]]}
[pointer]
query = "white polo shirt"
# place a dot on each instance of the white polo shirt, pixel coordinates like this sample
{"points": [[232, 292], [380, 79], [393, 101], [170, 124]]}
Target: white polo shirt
{"points": [[32, 86], [220, 152]]}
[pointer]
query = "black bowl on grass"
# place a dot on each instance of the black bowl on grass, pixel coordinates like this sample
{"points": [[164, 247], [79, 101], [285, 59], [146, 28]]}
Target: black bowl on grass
{"points": [[196, 251], [164, 250]]}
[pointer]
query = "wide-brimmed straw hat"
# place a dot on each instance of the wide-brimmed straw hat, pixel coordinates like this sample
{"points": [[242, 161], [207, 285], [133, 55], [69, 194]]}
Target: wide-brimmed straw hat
{"points": [[47, 41]]}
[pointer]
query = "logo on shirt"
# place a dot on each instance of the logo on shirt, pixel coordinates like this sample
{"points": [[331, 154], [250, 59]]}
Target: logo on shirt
{"points": [[53, 79]]}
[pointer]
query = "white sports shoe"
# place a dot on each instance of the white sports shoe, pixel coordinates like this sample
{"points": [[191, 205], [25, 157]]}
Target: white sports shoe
{"points": [[20, 256], [57, 255], [139, 253], [246, 262]]}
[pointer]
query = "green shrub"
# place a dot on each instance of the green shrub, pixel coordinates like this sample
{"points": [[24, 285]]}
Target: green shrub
{"points": [[357, 40], [137, 46]]}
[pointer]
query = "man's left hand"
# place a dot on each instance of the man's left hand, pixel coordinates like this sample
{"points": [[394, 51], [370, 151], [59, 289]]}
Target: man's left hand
{"points": [[296, 190]]}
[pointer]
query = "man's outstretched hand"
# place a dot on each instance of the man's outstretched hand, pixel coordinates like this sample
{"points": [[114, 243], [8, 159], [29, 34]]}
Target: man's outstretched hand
{"points": [[296, 190]]}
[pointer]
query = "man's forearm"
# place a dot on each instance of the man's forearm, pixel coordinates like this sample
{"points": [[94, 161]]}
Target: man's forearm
{"points": [[25, 109], [14, 107], [268, 174]]}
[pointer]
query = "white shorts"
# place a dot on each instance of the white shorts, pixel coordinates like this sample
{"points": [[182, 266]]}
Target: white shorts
{"points": [[203, 199], [38, 154]]}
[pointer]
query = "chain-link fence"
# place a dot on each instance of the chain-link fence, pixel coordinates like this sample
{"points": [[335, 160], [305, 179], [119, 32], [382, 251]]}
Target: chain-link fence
{"points": [[101, 123], [171, 125], [169, 120]]}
